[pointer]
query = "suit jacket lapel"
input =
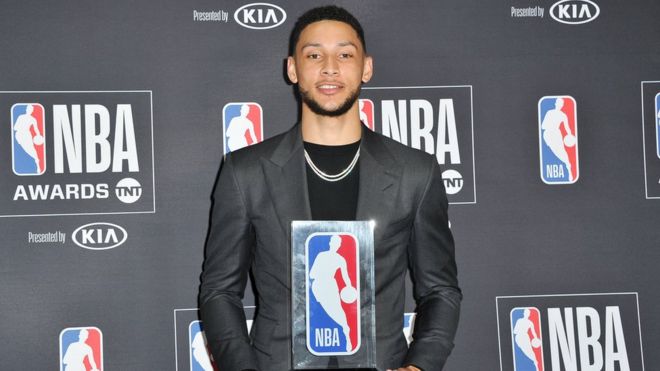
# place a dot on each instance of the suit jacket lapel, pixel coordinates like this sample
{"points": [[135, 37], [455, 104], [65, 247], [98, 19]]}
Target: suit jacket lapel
{"points": [[380, 175], [287, 181]]}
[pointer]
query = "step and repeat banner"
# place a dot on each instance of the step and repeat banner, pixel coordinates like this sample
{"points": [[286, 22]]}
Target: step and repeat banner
{"points": [[544, 116]]}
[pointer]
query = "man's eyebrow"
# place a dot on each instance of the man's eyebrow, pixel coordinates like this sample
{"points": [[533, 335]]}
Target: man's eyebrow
{"points": [[318, 45], [347, 43], [310, 45]]}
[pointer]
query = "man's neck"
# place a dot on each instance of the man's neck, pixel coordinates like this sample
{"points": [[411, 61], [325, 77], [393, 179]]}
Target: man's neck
{"points": [[331, 131]]}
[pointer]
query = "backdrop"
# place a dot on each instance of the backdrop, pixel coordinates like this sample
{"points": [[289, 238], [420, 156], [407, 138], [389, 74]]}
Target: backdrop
{"points": [[543, 114]]}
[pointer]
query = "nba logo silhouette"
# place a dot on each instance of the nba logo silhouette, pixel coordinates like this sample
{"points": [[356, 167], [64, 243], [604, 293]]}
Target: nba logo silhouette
{"points": [[366, 107], [558, 140], [28, 139], [81, 349], [526, 337], [333, 296], [242, 125], [199, 354], [657, 124]]}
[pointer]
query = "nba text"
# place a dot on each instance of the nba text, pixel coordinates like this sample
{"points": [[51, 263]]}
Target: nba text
{"points": [[598, 349], [444, 145], [326, 337]]}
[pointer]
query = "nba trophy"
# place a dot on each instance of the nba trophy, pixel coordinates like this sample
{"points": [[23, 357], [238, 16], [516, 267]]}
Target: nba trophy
{"points": [[332, 295]]}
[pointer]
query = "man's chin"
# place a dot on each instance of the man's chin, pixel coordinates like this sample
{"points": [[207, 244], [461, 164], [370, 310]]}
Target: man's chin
{"points": [[330, 109]]}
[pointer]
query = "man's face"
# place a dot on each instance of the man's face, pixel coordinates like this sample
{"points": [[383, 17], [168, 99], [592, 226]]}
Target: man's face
{"points": [[329, 66]]}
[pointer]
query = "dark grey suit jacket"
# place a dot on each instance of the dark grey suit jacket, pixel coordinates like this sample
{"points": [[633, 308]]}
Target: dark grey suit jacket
{"points": [[262, 188]]}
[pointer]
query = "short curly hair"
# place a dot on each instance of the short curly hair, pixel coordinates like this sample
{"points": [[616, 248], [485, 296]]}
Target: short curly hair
{"points": [[324, 13]]}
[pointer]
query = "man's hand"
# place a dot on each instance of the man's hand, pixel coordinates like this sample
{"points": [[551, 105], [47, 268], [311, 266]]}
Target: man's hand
{"points": [[408, 368]]}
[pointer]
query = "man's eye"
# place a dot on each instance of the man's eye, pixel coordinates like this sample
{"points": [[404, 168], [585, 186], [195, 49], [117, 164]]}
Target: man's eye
{"points": [[345, 55], [314, 56]]}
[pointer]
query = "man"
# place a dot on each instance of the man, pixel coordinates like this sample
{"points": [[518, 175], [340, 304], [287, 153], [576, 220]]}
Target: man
{"points": [[328, 167]]}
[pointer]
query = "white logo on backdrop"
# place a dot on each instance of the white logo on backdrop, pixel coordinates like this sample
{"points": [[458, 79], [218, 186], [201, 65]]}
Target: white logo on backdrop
{"points": [[260, 16], [128, 190], [574, 11], [99, 236]]}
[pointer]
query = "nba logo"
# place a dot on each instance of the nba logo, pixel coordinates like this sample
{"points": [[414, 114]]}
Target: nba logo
{"points": [[526, 337], [333, 296], [366, 107], [408, 326], [657, 123], [28, 147], [558, 140], [199, 354], [81, 349], [242, 125]]}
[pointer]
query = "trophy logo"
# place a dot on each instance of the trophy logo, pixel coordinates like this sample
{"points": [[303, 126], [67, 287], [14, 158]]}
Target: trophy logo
{"points": [[333, 299]]}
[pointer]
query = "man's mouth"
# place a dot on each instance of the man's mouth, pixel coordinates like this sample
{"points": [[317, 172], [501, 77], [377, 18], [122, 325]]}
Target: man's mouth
{"points": [[329, 88]]}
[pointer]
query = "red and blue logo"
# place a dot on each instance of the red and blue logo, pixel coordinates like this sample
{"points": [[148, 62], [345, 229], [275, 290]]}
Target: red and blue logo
{"points": [[366, 107], [81, 349], [526, 337], [28, 139], [657, 124], [242, 125], [558, 140], [198, 346], [333, 294]]}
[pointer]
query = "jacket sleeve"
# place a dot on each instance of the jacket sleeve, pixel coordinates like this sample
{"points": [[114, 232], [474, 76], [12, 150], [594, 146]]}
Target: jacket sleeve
{"points": [[433, 271], [229, 249]]}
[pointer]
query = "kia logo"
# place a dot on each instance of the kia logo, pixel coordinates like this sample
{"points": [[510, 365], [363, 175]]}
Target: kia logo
{"points": [[574, 11], [99, 236], [260, 16]]}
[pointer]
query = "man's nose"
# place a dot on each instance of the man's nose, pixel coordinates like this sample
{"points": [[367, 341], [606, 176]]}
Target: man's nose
{"points": [[330, 67]]}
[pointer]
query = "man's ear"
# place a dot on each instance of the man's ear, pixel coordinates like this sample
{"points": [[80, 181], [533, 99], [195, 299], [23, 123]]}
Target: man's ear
{"points": [[291, 70], [367, 69]]}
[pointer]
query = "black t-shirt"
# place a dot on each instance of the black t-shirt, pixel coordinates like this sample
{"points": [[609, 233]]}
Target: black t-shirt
{"points": [[333, 200]]}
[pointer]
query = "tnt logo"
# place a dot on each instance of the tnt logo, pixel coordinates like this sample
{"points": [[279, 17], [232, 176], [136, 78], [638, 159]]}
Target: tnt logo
{"points": [[200, 359], [333, 304], [558, 140], [28, 134], [81, 349], [366, 107], [526, 336], [453, 181], [657, 124], [242, 125]]}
